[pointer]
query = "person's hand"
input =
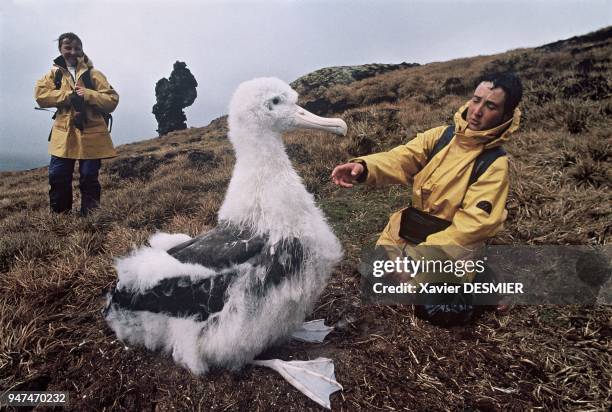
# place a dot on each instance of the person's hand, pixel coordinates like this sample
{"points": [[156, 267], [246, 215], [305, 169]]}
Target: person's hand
{"points": [[80, 90], [346, 174], [77, 102]]}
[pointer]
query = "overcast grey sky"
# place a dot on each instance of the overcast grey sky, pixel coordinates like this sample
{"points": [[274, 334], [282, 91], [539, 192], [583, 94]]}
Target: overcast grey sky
{"points": [[226, 42]]}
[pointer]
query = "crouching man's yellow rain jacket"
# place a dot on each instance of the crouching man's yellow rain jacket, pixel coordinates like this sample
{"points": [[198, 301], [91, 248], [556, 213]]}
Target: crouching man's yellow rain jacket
{"points": [[66, 140], [440, 186]]}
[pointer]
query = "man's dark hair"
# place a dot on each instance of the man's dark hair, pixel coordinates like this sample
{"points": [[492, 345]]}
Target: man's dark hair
{"points": [[68, 36], [510, 84]]}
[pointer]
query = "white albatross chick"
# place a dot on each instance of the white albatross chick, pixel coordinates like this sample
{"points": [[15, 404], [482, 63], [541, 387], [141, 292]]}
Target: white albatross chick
{"points": [[223, 297]]}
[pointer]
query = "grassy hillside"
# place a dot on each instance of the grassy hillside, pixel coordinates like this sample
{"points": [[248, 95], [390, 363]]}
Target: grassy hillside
{"points": [[54, 270]]}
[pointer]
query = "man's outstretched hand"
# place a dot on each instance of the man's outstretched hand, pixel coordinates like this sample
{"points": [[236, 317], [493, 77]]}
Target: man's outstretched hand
{"points": [[345, 175]]}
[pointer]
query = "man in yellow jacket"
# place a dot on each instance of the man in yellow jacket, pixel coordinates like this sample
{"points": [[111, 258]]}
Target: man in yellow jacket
{"points": [[444, 193], [80, 131]]}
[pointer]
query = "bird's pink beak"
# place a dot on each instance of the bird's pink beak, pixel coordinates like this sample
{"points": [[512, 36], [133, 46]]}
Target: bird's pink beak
{"points": [[307, 120]]}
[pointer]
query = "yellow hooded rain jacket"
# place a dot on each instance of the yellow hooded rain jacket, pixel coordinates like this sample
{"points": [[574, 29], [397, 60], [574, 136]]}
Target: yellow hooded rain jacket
{"points": [[67, 141], [440, 186]]}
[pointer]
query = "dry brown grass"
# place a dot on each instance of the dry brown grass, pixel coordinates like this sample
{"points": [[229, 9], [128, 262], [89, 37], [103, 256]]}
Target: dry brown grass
{"points": [[55, 269]]}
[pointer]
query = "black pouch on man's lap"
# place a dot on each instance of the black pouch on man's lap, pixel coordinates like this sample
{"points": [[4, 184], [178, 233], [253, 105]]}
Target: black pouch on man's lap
{"points": [[416, 225]]}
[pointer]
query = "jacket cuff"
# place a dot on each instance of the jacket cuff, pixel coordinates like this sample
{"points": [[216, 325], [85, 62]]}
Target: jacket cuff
{"points": [[364, 175], [88, 96]]}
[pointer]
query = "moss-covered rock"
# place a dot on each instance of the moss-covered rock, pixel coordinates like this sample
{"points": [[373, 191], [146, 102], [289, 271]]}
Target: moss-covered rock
{"points": [[315, 83]]}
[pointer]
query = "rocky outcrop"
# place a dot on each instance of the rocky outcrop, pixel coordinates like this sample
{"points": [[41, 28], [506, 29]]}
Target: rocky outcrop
{"points": [[601, 38], [173, 95], [314, 84], [314, 87]]}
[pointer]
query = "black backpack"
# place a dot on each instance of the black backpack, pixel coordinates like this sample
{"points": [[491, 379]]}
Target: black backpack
{"points": [[482, 162], [86, 77]]}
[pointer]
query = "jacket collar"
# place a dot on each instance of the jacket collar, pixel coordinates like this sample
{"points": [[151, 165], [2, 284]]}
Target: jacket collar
{"points": [[488, 138], [83, 63]]}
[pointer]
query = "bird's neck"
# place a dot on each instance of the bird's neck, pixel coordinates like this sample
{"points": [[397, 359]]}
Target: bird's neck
{"points": [[265, 193]]}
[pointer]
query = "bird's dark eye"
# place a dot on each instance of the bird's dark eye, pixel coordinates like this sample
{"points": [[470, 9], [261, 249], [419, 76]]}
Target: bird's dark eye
{"points": [[276, 100]]}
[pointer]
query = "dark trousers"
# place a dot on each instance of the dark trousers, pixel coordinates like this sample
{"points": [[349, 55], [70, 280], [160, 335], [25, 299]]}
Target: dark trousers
{"points": [[60, 180]]}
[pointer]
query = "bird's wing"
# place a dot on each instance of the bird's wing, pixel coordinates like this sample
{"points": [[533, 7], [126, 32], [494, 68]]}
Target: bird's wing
{"points": [[281, 260], [219, 248], [178, 296], [228, 245]]}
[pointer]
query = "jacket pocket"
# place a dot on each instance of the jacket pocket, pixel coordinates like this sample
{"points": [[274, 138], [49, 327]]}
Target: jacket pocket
{"points": [[95, 123], [61, 121]]}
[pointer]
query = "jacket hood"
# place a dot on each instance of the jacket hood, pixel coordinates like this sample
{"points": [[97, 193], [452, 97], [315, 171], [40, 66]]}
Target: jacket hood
{"points": [[489, 138]]}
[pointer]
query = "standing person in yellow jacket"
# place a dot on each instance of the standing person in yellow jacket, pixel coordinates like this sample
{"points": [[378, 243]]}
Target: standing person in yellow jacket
{"points": [[80, 131], [458, 211]]}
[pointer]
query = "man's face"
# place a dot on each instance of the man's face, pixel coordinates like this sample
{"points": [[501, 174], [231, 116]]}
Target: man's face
{"points": [[486, 109], [71, 50]]}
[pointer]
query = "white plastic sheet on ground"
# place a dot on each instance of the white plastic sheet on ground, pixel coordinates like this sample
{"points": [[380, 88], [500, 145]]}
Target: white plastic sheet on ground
{"points": [[314, 378], [314, 331]]}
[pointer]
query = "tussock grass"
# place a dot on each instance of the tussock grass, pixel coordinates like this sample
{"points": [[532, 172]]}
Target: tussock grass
{"points": [[55, 270]]}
